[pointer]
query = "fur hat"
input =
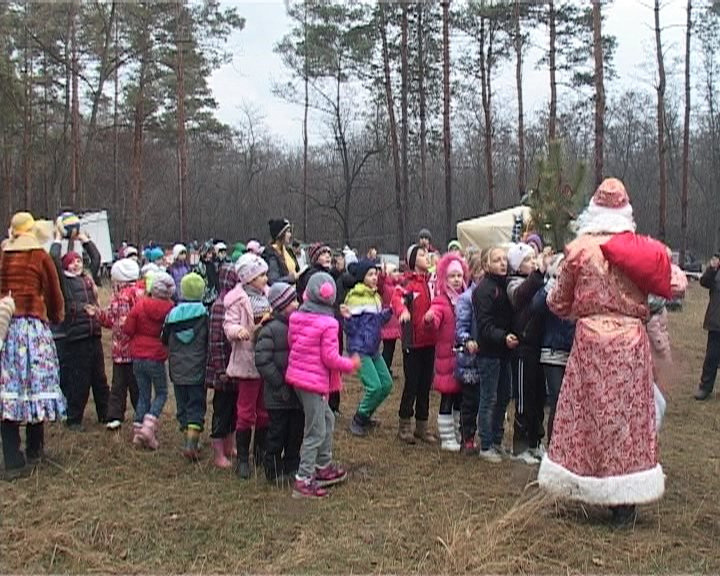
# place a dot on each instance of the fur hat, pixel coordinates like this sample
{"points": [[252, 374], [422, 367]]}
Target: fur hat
{"points": [[163, 286], [316, 249], [69, 259], [321, 289], [360, 269], [278, 228], [177, 250], [250, 266], [192, 287], [125, 270], [24, 223], [412, 255], [609, 211], [281, 295], [517, 253]]}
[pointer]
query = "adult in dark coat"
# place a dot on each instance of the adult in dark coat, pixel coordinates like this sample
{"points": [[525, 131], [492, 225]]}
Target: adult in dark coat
{"points": [[711, 280], [281, 260]]}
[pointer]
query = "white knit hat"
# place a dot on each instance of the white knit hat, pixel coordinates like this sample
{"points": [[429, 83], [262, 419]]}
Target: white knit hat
{"points": [[125, 270], [177, 250], [517, 253]]}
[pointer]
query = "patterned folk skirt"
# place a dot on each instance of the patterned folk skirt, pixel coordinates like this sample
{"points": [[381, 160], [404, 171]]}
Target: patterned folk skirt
{"points": [[29, 374]]}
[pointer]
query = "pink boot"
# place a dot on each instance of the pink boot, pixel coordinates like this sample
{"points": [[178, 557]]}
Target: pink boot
{"points": [[230, 446], [219, 447], [138, 439], [149, 431]]}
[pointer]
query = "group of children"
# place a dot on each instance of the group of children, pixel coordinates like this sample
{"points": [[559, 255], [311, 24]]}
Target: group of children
{"points": [[476, 329]]}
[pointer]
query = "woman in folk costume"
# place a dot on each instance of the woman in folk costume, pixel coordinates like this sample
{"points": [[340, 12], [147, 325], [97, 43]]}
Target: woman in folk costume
{"points": [[29, 373], [604, 447]]}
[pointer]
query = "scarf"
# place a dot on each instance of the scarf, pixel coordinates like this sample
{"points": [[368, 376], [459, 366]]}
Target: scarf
{"points": [[287, 258], [259, 303]]}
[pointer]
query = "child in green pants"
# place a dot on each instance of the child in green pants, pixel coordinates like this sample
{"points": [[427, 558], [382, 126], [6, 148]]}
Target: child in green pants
{"points": [[363, 322]]}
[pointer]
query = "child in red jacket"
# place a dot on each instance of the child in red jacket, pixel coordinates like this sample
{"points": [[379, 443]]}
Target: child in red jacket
{"points": [[144, 326], [410, 303]]}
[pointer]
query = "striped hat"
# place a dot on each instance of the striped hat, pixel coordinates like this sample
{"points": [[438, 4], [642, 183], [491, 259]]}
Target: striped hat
{"points": [[281, 295]]}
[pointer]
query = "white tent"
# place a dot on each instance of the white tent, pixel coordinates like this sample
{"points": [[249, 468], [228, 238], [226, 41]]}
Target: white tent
{"points": [[491, 230]]}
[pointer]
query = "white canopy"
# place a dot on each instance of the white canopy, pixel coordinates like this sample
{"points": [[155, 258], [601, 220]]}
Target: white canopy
{"points": [[490, 230]]}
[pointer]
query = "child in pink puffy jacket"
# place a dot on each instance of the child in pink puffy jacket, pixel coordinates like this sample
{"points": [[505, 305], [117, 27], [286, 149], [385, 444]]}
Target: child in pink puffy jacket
{"points": [[452, 277], [314, 369]]}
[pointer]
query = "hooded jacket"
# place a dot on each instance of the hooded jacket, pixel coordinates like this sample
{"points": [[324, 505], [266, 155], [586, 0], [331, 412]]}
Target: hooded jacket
{"points": [[185, 333], [364, 327], [144, 326], [443, 323], [239, 314], [271, 360]]}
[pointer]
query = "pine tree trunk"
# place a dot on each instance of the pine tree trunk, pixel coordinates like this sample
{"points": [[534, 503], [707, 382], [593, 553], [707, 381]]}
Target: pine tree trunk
{"points": [[181, 143], [661, 125], [27, 124], [306, 80], [552, 121], [686, 141], [447, 136], [137, 155], [599, 91], [486, 94], [46, 151], [393, 133], [404, 106], [423, 106], [521, 119], [75, 115], [116, 135], [6, 205]]}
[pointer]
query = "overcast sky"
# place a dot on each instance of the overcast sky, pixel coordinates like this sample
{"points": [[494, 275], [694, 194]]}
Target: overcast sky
{"points": [[247, 81]]}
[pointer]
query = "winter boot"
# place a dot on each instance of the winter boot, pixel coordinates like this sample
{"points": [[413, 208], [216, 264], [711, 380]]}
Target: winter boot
{"points": [[34, 443], [359, 425], [405, 431], [149, 431], [259, 446], [230, 447], [243, 438], [457, 426], [191, 450], [446, 427], [423, 432], [220, 460]]}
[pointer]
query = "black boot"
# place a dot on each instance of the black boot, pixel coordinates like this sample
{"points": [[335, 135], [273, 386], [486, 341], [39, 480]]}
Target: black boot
{"points": [[259, 446], [14, 460], [242, 438], [623, 516], [34, 443]]}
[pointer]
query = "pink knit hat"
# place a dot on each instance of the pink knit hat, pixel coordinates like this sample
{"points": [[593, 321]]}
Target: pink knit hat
{"points": [[249, 266]]}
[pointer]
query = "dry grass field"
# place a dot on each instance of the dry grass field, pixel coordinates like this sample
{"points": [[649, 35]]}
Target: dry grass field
{"points": [[99, 505]]}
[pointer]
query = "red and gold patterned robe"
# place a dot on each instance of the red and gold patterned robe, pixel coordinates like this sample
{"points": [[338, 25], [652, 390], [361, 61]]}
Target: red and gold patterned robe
{"points": [[604, 445]]}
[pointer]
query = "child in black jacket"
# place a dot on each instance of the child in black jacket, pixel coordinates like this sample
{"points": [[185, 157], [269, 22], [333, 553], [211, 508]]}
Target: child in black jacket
{"points": [[494, 318], [527, 278], [287, 420]]}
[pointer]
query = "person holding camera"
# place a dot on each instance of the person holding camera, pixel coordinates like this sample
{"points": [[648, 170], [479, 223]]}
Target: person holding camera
{"points": [[711, 280]]}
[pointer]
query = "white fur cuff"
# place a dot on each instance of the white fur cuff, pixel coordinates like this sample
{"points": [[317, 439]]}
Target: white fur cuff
{"points": [[635, 488]]}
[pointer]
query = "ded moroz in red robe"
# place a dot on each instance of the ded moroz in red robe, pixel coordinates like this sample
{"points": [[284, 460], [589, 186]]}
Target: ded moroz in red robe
{"points": [[604, 446]]}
